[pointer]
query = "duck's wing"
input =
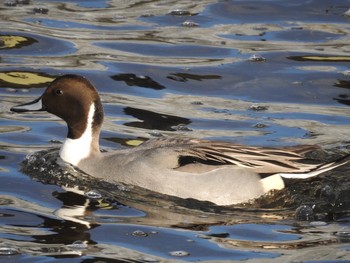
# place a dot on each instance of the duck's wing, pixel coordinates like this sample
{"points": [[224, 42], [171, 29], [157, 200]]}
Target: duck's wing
{"points": [[260, 160], [213, 153]]}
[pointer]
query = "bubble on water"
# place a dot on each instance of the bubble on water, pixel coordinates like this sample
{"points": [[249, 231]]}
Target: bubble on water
{"points": [[304, 213], [326, 192], [180, 12], [79, 245], [155, 134], [189, 23], [257, 107], [40, 10], [181, 127], [8, 251], [257, 58], [31, 158], [260, 125], [139, 233], [179, 253], [93, 194]]}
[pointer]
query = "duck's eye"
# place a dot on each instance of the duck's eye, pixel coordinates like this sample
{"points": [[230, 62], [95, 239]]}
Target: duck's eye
{"points": [[58, 92]]}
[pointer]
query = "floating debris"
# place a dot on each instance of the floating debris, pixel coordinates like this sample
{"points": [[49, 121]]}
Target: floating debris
{"points": [[257, 58], [189, 23], [139, 233], [179, 253], [257, 107], [93, 194], [304, 213]]}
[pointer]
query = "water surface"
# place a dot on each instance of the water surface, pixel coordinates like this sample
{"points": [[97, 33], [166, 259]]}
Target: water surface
{"points": [[175, 68]]}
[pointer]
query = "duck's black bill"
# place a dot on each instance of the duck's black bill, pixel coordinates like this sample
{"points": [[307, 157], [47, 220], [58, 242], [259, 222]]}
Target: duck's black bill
{"points": [[35, 105]]}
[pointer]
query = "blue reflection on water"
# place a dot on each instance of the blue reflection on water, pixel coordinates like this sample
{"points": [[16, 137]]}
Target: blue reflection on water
{"points": [[169, 50], [85, 3], [198, 248], [290, 35], [52, 23], [256, 232]]}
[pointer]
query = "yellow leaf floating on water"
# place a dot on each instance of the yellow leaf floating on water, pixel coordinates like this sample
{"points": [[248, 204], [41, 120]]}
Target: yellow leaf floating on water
{"points": [[134, 142], [24, 78], [12, 41]]}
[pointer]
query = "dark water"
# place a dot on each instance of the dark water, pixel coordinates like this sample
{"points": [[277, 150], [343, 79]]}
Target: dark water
{"points": [[271, 73]]}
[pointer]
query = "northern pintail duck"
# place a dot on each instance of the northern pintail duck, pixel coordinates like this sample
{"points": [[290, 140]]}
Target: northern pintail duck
{"points": [[220, 172]]}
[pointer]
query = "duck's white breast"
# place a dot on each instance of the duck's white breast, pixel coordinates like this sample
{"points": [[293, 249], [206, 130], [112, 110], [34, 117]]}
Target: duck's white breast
{"points": [[74, 150]]}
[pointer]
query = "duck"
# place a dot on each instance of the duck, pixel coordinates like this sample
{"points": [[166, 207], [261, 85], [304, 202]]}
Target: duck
{"points": [[220, 172]]}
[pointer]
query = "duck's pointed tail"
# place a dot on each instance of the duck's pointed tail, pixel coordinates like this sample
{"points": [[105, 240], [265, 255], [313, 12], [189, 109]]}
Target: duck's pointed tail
{"points": [[317, 170], [277, 181]]}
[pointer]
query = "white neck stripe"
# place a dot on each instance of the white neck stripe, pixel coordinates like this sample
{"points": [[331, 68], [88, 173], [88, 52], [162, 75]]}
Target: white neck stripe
{"points": [[74, 150]]}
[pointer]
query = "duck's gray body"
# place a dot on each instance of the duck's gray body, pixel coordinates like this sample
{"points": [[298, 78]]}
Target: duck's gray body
{"points": [[155, 166]]}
